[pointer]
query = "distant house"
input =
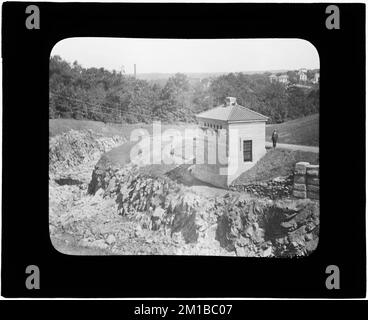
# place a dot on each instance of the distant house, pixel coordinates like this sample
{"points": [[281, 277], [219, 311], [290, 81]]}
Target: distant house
{"points": [[302, 73], [241, 137], [302, 77], [284, 78], [273, 78]]}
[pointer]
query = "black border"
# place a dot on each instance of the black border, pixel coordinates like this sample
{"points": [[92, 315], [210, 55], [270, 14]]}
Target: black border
{"points": [[25, 232]]}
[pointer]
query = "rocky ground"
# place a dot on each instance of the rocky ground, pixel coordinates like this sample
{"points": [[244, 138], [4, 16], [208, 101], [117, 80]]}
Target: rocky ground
{"points": [[97, 209]]}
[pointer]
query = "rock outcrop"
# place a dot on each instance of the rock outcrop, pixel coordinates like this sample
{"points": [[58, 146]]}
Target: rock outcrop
{"points": [[246, 226], [281, 228]]}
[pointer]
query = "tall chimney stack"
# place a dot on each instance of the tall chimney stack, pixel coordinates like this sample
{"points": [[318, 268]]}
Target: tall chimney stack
{"points": [[230, 101], [135, 71]]}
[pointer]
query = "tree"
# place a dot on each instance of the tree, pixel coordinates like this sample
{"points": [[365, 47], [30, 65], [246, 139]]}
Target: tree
{"points": [[103, 95], [175, 99], [275, 102]]}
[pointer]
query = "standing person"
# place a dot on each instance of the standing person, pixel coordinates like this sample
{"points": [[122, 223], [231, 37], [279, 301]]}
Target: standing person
{"points": [[274, 138]]}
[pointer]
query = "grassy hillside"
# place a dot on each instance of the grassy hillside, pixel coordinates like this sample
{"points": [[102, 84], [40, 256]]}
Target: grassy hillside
{"points": [[303, 131], [274, 164]]}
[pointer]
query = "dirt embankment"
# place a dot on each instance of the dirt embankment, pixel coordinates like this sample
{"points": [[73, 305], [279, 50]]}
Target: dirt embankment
{"points": [[74, 148]]}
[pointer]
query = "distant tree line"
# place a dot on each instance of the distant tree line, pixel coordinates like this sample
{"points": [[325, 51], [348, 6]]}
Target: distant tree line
{"points": [[110, 96]]}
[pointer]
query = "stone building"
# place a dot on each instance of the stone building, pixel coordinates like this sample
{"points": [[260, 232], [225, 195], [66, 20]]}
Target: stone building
{"points": [[236, 135]]}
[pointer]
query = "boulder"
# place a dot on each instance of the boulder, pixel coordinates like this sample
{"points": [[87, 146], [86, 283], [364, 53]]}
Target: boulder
{"points": [[313, 167], [313, 195], [99, 244], [301, 168], [313, 173], [267, 252], [299, 178], [99, 193], [242, 251], [312, 188], [312, 181], [308, 237], [313, 170], [111, 185], [110, 239], [300, 187], [158, 213], [299, 194]]}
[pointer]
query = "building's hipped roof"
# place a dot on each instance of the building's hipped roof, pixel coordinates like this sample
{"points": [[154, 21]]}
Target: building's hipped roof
{"points": [[232, 113]]}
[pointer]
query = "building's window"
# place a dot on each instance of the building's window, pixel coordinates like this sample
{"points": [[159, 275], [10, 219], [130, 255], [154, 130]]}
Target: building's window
{"points": [[220, 127], [247, 150]]}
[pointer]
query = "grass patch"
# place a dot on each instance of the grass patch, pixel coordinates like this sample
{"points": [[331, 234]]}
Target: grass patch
{"points": [[157, 170], [274, 164], [303, 131]]}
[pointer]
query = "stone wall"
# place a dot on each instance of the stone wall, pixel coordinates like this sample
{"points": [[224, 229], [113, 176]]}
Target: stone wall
{"points": [[209, 173], [306, 181]]}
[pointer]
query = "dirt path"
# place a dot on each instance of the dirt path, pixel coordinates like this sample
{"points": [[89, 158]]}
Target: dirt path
{"points": [[294, 147]]}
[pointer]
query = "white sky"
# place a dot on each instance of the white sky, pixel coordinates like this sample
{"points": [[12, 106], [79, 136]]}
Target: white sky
{"points": [[188, 55]]}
